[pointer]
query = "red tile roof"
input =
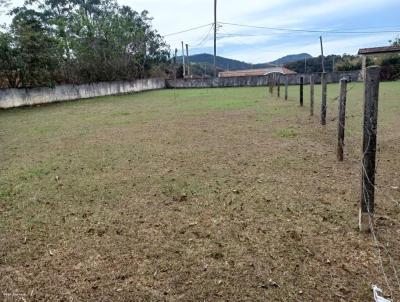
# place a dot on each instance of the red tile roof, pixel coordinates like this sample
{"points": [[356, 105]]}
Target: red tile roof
{"points": [[255, 72]]}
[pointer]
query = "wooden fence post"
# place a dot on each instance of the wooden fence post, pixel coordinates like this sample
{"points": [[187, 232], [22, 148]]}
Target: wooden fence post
{"points": [[286, 87], [279, 86], [312, 95], [301, 91], [371, 96], [270, 83], [342, 118], [324, 96]]}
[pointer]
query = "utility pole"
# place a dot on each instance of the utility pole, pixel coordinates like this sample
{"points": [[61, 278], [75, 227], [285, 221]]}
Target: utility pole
{"points": [[176, 55], [333, 65], [188, 61], [215, 38], [322, 54], [183, 61], [175, 61]]}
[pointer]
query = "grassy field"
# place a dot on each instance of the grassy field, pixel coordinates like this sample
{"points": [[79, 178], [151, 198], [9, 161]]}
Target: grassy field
{"points": [[195, 195]]}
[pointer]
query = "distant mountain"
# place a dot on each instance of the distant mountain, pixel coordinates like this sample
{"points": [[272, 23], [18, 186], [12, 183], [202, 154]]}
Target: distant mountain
{"points": [[292, 58], [203, 64], [223, 63]]}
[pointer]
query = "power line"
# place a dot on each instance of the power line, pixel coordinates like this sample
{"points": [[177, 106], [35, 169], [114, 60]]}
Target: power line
{"points": [[270, 34], [187, 30], [283, 29], [203, 40], [240, 41], [226, 35], [311, 31]]}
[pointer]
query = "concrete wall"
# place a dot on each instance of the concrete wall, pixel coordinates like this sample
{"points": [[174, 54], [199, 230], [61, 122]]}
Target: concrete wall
{"points": [[10, 98], [331, 77], [218, 82], [253, 81]]}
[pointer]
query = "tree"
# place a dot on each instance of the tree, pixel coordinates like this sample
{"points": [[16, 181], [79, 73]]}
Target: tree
{"points": [[396, 41], [103, 41], [9, 61], [80, 41], [35, 47]]}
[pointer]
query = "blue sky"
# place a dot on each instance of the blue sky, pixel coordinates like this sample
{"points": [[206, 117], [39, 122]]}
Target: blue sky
{"points": [[261, 45]]}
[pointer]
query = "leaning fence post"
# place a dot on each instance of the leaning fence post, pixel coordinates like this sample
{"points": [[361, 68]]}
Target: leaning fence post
{"points": [[342, 118], [371, 96], [301, 91], [286, 87], [312, 95], [324, 96]]}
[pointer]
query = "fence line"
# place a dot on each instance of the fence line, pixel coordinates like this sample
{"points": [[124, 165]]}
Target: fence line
{"points": [[368, 163]]}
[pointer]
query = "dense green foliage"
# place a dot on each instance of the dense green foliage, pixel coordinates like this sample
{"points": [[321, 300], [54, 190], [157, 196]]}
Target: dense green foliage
{"points": [[396, 41], [390, 67], [78, 41], [390, 64], [332, 62]]}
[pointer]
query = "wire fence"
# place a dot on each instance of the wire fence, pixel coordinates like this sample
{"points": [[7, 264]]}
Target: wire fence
{"points": [[388, 266]]}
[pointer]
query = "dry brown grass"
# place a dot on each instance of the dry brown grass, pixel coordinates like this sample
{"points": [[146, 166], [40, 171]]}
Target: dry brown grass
{"points": [[196, 195]]}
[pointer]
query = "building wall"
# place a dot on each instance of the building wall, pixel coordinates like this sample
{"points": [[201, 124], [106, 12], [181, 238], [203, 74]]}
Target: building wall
{"points": [[11, 98]]}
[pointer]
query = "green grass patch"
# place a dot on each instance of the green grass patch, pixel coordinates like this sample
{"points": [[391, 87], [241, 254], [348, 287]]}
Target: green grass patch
{"points": [[287, 133]]}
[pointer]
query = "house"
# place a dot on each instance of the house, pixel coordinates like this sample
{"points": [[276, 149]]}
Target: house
{"points": [[255, 72]]}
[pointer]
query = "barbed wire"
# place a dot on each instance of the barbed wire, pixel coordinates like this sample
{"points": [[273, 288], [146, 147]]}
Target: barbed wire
{"points": [[372, 228], [310, 30], [378, 245]]}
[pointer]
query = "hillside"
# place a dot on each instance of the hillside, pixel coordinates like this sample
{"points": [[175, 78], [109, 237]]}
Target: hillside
{"points": [[292, 58], [223, 63], [230, 64], [203, 64]]}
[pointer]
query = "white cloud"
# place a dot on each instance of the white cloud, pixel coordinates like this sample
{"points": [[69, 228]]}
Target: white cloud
{"points": [[332, 45], [176, 15]]}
